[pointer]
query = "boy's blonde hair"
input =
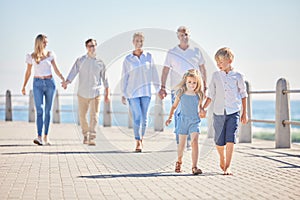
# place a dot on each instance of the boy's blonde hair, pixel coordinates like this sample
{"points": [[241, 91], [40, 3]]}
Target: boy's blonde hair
{"points": [[138, 34], [224, 53], [181, 87]]}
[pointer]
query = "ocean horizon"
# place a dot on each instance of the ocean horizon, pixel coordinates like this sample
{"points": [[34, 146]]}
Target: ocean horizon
{"points": [[261, 109]]}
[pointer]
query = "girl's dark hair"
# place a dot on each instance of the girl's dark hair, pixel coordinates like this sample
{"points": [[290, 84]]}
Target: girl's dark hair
{"points": [[90, 40]]}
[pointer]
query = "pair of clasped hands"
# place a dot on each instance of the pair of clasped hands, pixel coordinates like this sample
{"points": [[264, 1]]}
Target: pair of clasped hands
{"points": [[64, 84]]}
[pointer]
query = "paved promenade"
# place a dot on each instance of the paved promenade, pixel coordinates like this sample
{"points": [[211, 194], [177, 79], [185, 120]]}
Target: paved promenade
{"points": [[70, 170]]}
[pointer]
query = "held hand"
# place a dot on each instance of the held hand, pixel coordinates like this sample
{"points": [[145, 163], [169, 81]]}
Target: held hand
{"points": [[244, 119], [106, 99], [168, 122], [23, 91], [124, 101], [202, 113], [64, 84], [162, 93]]}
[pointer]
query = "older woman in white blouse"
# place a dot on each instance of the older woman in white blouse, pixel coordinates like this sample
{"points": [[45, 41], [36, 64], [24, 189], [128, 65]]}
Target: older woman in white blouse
{"points": [[43, 84], [138, 74]]}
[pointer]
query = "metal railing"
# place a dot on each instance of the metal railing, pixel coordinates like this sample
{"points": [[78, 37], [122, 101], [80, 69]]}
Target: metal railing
{"points": [[282, 115], [106, 112]]}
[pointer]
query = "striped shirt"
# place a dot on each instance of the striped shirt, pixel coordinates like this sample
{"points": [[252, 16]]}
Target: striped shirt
{"points": [[91, 76]]}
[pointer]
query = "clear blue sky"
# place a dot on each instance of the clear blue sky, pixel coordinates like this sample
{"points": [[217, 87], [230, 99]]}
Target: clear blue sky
{"points": [[263, 34]]}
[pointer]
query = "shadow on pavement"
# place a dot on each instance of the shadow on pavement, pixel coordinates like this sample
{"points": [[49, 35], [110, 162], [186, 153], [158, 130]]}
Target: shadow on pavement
{"points": [[146, 175], [273, 158], [83, 152], [15, 145]]}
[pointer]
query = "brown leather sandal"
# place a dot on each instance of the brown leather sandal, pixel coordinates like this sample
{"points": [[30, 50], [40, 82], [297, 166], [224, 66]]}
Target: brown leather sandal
{"points": [[196, 171], [138, 150], [178, 167]]}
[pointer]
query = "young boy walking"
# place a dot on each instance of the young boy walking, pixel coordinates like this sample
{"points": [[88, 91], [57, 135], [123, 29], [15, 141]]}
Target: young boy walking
{"points": [[228, 91]]}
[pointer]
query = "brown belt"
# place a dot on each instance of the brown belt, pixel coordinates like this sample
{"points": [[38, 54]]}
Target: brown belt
{"points": [[43, 77]]}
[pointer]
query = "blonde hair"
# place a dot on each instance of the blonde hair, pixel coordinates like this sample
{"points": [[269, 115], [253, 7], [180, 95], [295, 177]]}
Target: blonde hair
{"points": [[138, 34], [181, 87], [38, 48], [224, 52]]}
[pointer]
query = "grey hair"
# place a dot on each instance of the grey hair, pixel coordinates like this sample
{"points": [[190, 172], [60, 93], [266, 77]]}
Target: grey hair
{"points": [[138, 34]]}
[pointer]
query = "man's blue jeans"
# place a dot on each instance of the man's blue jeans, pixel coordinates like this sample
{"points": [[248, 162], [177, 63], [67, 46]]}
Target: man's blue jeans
{"points": [[139, 107], [41, 88]]}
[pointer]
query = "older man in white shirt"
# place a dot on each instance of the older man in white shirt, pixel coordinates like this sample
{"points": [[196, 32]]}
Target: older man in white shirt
{"points": [[178, 61]]}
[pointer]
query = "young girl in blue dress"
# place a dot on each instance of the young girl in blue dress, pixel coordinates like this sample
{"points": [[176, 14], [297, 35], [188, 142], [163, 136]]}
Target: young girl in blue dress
{"points": [[190, 96]]}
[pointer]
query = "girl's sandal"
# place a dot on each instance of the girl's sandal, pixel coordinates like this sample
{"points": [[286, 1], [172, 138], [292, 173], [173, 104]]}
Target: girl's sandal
{"points": [[196, 171], [178, 167], [138, 150]]}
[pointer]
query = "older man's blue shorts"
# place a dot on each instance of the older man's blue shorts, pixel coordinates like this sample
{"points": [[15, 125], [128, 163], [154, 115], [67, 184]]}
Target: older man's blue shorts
{"points": [[187, 125], [226, 128]]}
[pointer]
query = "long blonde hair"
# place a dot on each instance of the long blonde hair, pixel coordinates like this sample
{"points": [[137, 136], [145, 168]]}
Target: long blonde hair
{"points": [[181, 87], [39, 48]]}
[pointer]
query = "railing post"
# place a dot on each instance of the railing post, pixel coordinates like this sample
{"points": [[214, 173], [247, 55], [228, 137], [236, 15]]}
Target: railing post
{"points": [[56, 110], [8, 106], [282, 131], [246, 129], [129, 118], [31, 108], [158, 114], [107, 114]]}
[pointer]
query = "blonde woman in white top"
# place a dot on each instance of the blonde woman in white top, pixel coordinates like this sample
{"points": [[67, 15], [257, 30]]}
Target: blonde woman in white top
{"points": [[43, 84]]}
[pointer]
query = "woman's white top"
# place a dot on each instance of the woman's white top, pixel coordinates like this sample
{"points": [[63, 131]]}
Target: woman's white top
{"points": [[44, 67]]}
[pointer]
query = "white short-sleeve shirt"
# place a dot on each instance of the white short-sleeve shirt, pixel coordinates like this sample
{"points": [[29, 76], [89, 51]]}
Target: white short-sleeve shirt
{"points": [[179, 61], [44, 67]]}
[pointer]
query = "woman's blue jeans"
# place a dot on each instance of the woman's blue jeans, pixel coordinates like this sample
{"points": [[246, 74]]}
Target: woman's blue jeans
{"points": [[139, 108], [43, 88]]}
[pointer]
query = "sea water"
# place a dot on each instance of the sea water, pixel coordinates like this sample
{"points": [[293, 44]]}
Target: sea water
{"points": [[261, 109]]}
